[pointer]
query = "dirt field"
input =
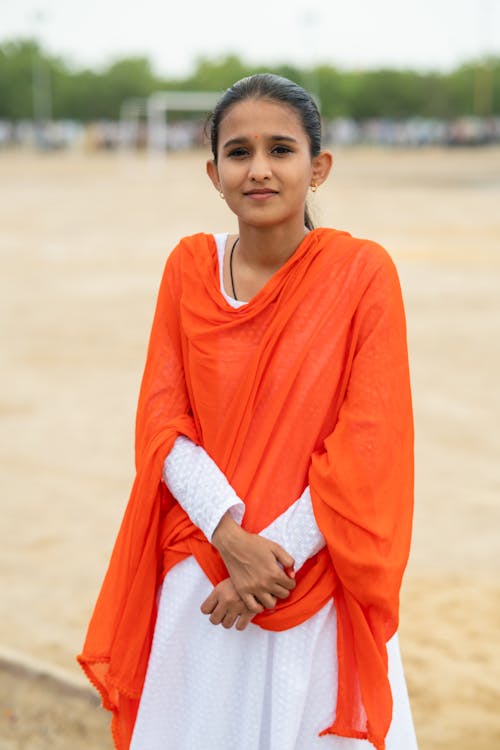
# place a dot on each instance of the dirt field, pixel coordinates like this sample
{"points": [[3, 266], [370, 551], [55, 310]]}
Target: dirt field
{"points": [[83, 240]]}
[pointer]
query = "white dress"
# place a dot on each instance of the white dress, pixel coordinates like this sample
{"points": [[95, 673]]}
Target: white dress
{"points": [[208, 688]]}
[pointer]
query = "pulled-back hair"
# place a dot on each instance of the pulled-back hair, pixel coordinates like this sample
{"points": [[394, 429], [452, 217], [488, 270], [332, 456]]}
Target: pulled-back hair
{"points": [[276, 89]]}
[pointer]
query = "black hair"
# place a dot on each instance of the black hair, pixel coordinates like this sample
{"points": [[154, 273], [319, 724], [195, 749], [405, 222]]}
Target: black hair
{"points": [[274, 88]]}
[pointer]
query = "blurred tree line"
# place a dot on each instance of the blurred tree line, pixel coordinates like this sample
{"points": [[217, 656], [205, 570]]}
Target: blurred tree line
{"points": [[471, 89]]}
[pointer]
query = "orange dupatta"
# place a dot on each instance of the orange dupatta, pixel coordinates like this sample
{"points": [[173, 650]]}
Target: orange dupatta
{"points": [[306, 384]]}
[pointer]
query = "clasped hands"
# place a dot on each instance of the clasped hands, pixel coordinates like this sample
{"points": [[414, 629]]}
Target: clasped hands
{"points": [[260, 573]]}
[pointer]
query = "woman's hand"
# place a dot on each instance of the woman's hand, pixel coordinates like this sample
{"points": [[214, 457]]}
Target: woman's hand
{"points": [[225, 607], [260, 569]]}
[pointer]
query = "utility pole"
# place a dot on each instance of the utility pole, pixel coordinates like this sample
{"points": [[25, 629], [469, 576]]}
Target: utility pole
{"points": [[483, 73], [310, 23], [41, 85]]}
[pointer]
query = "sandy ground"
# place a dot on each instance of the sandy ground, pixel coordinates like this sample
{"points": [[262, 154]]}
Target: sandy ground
{"points": [[44, 707], [83, 241]]}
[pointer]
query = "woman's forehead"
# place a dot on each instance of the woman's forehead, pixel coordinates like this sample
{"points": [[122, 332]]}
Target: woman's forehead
{"points": [[261, 107], [258, 117]]}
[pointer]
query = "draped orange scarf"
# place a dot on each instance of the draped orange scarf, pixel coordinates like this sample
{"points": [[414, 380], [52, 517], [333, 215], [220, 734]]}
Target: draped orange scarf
{"points": [[306, 384]]}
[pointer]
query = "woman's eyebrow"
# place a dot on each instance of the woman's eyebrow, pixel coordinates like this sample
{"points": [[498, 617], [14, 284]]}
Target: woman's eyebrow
{"points": [[245, 139], [288, 138], [234, 141]]}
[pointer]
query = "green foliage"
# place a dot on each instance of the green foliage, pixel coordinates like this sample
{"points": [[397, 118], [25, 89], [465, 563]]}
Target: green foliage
{"points": [[332, 89], [216, 75], [387, 93], [473, 88], [16, 74], [124, 79]]}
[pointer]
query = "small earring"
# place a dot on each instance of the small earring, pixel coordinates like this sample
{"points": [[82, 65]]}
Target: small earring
{"points": [[314, 187], [221, 194]]}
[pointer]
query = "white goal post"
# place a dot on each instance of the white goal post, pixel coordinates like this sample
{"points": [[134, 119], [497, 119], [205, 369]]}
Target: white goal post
{"points": [[155, 110]]}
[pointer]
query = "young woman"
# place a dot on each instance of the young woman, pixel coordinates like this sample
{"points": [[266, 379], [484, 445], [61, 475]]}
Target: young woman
{"points": [[251, 601]]}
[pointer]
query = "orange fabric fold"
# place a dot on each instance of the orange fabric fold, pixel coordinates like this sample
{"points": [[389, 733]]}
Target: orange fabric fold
{"points": [[306, 384]]}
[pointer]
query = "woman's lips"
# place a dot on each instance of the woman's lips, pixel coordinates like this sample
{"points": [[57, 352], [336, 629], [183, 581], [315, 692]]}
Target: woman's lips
{"points": [[260, 195]]}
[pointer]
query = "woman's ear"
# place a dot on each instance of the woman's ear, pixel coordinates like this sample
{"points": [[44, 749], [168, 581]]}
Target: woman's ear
{"points": [[321, 166], [213, 173]]}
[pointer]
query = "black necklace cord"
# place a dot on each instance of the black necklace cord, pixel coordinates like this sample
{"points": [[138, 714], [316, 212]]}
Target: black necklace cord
{"points": [[231, 266]]}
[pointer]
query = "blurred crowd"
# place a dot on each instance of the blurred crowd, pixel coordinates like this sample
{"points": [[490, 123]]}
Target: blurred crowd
{"points": [[186, 134]]}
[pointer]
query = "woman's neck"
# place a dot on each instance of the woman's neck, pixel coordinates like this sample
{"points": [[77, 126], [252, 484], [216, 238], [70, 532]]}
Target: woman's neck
{"points": [[268, 248]]}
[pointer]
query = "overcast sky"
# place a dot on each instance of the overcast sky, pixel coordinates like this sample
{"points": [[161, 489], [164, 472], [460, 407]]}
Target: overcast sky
{"points": [[422, 34]]}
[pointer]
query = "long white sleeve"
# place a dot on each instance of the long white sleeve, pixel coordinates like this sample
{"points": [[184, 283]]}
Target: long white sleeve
{"points": [[296, 530], [199, 486], [204, 492]]}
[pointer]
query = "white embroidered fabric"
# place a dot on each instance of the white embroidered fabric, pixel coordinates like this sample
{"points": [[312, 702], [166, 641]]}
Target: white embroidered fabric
{"points": [[217, 689], [202, 489], [199, 486], [296, 530]]}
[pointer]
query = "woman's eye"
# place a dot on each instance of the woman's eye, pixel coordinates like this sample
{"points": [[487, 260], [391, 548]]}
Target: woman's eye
{"points": [[238, 152], [282, 150]]}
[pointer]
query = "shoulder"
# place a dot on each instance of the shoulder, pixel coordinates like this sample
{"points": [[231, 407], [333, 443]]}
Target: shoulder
{"points": [[378, 279], [364, 258], [192, 254], [191, 246], [191, 266]]}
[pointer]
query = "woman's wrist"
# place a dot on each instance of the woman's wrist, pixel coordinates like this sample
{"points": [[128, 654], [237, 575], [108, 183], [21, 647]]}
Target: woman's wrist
{"points": [[226, 533]]}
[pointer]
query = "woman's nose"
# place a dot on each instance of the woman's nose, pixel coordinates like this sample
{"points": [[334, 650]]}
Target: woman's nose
{"points": [[260, 168]]}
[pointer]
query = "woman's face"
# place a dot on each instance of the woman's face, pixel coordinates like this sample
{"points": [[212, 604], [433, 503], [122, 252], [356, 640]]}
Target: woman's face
{"points": [[264, 164]]}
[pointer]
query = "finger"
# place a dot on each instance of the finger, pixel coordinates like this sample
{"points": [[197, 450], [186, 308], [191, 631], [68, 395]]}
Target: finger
{"points": [[280, 592], [229, 619], [252, 604], [283, 580], [283, 557], [244, 620], [267, 600], [218, 614], [209, 603]]}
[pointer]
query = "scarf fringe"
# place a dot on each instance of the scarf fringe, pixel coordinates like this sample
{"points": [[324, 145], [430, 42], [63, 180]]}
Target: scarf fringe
{"points": [[345, 731]]}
